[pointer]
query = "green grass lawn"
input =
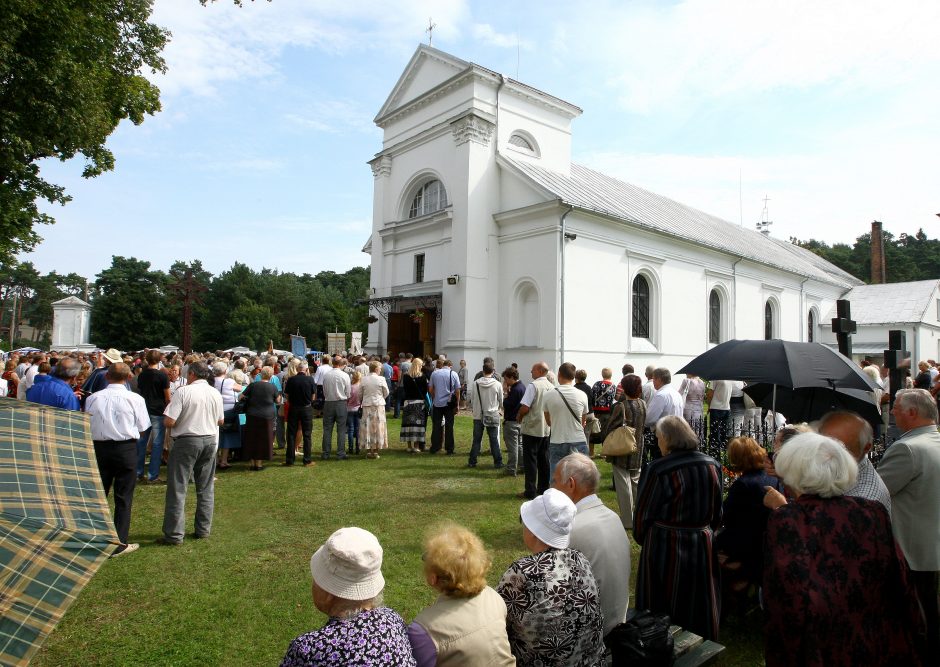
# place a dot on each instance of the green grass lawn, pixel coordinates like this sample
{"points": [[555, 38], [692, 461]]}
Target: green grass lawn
{"points": [[241, 596]]}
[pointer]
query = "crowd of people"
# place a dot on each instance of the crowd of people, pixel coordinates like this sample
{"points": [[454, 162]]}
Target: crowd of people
{"points": [[843, 557]]}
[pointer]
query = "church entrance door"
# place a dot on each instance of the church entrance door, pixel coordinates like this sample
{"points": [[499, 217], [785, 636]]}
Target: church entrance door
{"points": [[407, 335]]}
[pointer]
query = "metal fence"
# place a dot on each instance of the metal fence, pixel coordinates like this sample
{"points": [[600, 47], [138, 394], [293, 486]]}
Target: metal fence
{"points": [[716, 445]]}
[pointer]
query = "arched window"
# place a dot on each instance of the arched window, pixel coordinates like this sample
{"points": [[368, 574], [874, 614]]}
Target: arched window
{"points": [[524, 143], [811, 326], [429, 198], [641, 307], [768, 320], [714, 317]]}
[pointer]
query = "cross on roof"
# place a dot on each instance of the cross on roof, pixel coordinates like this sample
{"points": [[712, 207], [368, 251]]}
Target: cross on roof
{"points": [[430, 30]]}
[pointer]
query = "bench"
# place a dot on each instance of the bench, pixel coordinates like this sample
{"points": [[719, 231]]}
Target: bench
{"points": [[691, 650]]}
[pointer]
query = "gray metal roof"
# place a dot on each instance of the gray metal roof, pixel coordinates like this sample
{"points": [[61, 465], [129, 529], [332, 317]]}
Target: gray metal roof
{"points": [[593, 191], [891, 303]]}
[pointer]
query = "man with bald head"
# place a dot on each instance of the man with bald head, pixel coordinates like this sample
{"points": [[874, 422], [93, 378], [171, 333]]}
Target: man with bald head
{"points": [[535, 432], [857, 436], [598, 533]]}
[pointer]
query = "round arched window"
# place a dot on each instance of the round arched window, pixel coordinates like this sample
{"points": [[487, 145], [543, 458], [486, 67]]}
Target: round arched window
{"points": [[429, 198]]}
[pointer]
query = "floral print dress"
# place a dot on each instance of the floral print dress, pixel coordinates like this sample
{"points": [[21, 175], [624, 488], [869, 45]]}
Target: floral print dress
{"points": [[372, 638], [553, 614]]}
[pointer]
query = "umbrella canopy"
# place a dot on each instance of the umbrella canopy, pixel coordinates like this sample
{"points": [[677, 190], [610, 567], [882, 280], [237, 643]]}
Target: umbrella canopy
{"points": [[779, 362], [55, 525], [25, 350], [809, 403]]}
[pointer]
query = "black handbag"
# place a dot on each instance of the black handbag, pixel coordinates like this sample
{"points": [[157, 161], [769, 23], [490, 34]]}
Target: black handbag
{"points": [[643, 640]]}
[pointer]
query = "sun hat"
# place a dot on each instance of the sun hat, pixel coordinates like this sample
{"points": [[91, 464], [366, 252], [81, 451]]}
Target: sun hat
{"points": [[113, 356], [549, 517], [349, 565]]}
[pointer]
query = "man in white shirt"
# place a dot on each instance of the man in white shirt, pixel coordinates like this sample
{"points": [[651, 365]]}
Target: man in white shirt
{"points": [[118, 417], [29, 375], [648, 388], [597, 533], [718, 398], [566, 409], [193, 416], [336, 389], [666, 402]]}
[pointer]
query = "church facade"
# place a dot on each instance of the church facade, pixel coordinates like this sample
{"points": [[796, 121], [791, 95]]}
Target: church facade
{"points": [[488, 241]]}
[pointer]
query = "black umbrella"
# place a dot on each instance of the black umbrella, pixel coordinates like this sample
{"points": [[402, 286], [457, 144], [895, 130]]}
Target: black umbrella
{"points": [[809, 403], [779, 362]]}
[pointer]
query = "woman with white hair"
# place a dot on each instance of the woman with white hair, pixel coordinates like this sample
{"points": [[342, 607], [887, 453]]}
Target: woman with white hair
{"points": [[347, 587], [230, 436], [553, 615], [835, 585]]}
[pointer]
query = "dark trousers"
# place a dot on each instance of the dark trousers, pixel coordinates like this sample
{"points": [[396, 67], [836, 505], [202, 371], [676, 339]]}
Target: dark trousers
{"points": [[117, 465], [535, 464], [445, 415], [304, 417], [925, 583], [718, 429]]}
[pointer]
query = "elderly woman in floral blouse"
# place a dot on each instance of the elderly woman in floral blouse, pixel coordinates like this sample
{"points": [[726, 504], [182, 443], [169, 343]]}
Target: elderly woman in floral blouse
{"points": [[553, 614], [347, 587]]}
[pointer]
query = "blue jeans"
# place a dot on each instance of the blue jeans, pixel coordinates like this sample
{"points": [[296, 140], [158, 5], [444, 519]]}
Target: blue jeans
{"points": [[352, 430], [156, 451], [493, 433], [559, 450]]}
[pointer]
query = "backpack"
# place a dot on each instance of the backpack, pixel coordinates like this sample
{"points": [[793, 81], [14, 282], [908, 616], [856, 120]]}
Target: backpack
{"points": [[643, 640]]}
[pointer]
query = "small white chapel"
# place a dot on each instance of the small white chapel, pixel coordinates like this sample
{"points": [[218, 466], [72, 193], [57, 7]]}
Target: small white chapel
{"points": [[487, 240]]}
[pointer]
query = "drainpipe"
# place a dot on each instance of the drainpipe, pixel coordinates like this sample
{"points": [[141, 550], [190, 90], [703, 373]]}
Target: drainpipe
{"points": [[734, 296], [561, 343], [802, 310]]}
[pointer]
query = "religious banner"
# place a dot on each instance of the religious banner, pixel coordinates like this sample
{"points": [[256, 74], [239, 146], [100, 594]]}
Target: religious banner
{"points": [[298, 346], [355, 342], [336, 343]]}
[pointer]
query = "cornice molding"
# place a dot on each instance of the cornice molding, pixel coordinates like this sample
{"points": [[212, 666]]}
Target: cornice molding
{"points": [[381, 166]]}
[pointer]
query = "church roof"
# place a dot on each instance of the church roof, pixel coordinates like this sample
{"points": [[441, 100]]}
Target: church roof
{"points": [[891, 303], [590, 190]]}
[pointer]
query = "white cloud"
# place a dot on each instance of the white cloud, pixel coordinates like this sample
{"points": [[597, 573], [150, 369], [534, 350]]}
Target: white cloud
{"points": [[333, 116], [654, 57], [485, 33]]}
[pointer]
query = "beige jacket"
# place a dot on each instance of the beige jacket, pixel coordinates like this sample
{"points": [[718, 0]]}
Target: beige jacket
{"points": [[469, 632], [534, 421]]}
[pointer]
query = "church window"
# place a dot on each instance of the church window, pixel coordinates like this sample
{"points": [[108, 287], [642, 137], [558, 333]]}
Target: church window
{"points": [[811, 326], [429, 198], [714, 317], [641, 307], [768, 320], [523, 143], [419, 267]]}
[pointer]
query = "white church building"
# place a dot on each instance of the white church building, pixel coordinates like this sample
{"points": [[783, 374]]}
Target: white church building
{"points": [[488, 241]]}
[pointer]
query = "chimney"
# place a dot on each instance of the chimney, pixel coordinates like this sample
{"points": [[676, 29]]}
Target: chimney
{"points": [[877, 254]]}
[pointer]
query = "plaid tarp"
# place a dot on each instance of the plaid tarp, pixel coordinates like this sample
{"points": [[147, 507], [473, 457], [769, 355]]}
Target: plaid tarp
{"points": [[55, 525]]}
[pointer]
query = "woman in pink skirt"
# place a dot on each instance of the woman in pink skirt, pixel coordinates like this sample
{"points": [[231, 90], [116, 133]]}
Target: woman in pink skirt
{"points": [[373, 434]]}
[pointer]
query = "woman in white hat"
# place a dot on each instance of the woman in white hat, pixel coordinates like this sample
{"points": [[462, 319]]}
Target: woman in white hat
{"points": [[347, 587], [553, 616]]}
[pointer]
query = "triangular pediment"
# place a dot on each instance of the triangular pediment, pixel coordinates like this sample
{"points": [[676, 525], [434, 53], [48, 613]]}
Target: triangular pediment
{"points": [[427, 69], [70, 301]]}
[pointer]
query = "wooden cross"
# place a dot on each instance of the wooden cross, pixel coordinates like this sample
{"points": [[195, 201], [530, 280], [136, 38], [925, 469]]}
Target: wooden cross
{"points": [[430, 30], [896, 359], [844, 326]]}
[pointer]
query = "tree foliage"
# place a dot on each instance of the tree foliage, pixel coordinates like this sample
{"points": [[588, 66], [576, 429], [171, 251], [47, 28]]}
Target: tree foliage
{"points": [[908, 257], [134, 306], [70, 72]]}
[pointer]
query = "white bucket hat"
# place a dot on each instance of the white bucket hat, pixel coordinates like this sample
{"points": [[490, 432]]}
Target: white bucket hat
{"points": [[549, 517], [349, 565]]}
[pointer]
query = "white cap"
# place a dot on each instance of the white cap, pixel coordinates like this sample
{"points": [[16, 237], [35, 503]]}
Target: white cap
{"points": [[549, 517], [349, 565]]}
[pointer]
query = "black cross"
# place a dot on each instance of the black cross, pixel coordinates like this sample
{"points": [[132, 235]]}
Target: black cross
{"points": [[897, 360], [843, 326]]}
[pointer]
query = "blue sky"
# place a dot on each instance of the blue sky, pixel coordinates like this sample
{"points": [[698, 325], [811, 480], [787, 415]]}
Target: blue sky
{"points": [[259, 155]]}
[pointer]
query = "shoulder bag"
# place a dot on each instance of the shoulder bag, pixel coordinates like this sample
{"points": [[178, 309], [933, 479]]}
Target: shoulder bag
{"points": [[642, 641], [568, 405], [621, 441]]}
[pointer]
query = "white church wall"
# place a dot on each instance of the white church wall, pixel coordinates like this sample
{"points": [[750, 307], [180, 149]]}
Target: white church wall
{"points": [[550, 132]]}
